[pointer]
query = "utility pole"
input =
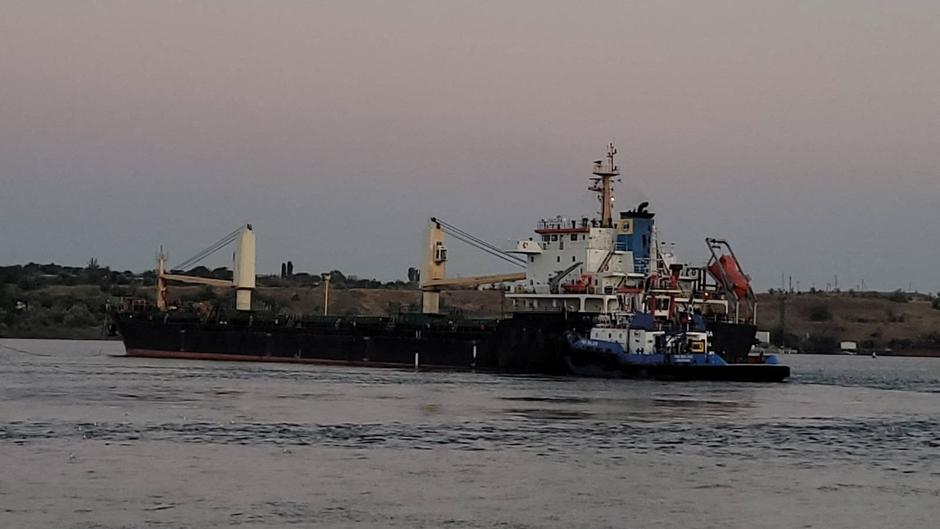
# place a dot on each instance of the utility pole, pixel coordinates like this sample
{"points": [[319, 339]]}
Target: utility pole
{"points": [[326, 292]]}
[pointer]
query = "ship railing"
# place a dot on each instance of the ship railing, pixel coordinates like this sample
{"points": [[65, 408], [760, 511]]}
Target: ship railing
{"points": [[540, 309], [561, 223]]}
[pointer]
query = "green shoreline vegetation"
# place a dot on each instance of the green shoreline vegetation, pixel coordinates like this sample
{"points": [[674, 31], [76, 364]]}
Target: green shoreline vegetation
{"points": [[67, 302]]}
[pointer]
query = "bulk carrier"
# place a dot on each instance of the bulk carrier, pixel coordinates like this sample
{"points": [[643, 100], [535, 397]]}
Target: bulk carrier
{"points": [[583, 277]]}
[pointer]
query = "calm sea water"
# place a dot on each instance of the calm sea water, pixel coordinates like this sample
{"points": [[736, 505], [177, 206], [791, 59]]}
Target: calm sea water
{"points": [[92, 440]]}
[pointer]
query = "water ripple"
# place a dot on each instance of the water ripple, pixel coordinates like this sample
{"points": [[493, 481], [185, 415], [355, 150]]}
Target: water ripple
{"points": [[877, 442]]}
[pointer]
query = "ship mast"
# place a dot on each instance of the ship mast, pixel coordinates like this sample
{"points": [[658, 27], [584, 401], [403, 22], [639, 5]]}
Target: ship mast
{"points": [[603, 185]]}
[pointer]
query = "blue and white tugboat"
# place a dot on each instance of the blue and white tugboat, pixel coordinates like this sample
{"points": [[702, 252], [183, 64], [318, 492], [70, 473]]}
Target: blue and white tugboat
{"points": [[637, 346]]}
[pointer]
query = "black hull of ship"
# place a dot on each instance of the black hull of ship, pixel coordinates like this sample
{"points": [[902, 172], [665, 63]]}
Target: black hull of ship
{"points": [[733, 341], [525, 343]]}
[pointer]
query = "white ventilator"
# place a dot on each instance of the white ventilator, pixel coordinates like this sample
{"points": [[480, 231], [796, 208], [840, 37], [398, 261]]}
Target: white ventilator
{"points": [[243, 277]]}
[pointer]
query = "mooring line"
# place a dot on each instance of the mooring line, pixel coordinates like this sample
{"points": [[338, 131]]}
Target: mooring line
{"points": [[23, 351]]}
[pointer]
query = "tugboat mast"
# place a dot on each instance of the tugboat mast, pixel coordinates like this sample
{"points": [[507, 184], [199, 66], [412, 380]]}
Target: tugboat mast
{"points": [[603, 185]]}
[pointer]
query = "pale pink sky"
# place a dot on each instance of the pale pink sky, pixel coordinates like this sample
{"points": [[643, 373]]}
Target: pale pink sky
{"points": [[806, 132]]}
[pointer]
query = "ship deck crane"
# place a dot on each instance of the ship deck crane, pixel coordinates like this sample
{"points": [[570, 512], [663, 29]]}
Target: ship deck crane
{"points": [[433, 277], [243, 276]]}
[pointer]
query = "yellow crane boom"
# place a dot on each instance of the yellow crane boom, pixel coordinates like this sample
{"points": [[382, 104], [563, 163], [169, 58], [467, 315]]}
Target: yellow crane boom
{"points": [[473, 281], [198, 280]]}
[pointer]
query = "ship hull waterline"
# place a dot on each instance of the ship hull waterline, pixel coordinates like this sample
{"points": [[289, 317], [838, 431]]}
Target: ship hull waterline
{"points": [[230, 357]]}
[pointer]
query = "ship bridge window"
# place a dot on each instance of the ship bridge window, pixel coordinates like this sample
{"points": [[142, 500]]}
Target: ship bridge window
{"points": [[574, 236], [554, 236], [546, 238]]}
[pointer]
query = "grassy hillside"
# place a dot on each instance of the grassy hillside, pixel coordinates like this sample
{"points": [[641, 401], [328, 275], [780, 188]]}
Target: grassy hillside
{"points": [[874, 321], [55, 311]]}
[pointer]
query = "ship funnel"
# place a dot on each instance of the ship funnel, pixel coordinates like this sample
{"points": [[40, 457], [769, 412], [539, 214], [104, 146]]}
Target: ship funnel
{"points": [[244, 269]]}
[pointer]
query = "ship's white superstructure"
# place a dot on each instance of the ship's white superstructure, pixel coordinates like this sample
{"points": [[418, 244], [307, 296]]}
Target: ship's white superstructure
{"points": [[583, 264], [609, 264]]}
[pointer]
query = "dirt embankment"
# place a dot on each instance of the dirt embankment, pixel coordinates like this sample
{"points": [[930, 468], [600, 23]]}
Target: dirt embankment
{"points": [[874, 321]]}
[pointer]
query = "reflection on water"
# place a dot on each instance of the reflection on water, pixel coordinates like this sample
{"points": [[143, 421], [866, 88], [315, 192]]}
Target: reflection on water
{"points": [[80, 429]]}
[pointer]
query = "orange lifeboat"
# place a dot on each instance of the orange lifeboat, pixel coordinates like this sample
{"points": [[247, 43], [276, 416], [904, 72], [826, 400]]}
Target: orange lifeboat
{"points": [[726, 269], [578, 287]]}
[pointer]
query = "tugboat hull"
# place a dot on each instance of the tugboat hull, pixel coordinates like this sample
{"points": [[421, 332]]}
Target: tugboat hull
{"points": [[600, 358], [725, 373]]}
